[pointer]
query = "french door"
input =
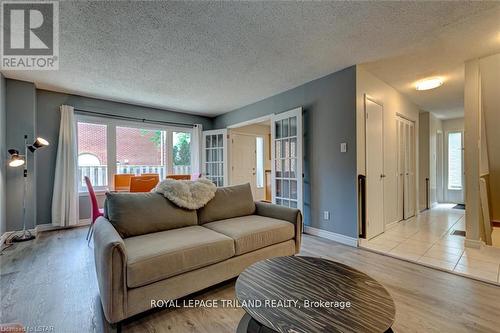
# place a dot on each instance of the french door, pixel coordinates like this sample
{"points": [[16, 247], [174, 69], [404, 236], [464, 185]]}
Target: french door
{"points": [[215, 156], [286, 159]]}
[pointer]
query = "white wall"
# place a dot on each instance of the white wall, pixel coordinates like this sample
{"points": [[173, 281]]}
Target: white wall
{"points": [[424, 158], [394, 103], [490, 93], [430, 159], [435, 159]]}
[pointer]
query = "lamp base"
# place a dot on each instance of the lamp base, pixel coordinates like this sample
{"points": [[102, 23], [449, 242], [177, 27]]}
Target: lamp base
{"points": [[25, 236]]}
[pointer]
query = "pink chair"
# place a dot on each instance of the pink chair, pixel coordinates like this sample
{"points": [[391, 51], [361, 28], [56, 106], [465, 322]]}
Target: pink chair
{"points": [[195, 176], [95, 210]]}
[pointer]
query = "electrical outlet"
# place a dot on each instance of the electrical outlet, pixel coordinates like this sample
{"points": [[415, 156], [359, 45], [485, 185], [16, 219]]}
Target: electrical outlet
{"points": [[326, 215], [343, 147]]}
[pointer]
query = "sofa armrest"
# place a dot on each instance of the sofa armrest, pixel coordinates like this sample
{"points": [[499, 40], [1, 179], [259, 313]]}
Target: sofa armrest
{"points": [[292, 215], [110, 263]]}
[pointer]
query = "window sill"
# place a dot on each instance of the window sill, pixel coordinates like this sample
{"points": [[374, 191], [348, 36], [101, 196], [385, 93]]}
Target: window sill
{"points": [[97, 193]]}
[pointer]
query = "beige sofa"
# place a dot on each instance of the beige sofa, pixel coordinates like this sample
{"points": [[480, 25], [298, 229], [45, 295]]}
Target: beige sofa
{"points": [[146, 248]]}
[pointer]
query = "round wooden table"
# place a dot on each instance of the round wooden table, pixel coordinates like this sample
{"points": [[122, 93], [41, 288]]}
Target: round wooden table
{"points": [[305, 294]]}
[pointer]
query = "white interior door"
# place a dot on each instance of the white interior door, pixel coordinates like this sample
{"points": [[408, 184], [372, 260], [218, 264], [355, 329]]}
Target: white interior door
{"points": [[374, 169], [406, 174], [215, 156], [286, 155], [401, 168], [243, 161], [409, 179]]}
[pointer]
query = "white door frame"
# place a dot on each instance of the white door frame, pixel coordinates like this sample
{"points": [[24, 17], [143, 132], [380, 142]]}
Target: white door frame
{"points": [[368, 98], [252, 121], [297, 112], [225, 148], [448, 197]]}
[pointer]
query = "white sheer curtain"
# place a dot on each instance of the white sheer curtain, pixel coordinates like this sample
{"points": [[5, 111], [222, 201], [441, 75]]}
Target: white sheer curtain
{"points": [[65, 195], [196, 147]]}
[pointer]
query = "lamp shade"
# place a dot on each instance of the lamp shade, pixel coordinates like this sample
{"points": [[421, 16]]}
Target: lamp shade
{"points": [[15, 159], [39, 142]]}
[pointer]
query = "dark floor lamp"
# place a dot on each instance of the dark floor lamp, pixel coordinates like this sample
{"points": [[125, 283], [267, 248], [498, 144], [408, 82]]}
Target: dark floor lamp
{"points": [[17, 160]]}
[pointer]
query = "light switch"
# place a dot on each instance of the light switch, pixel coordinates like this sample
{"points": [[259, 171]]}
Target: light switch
{"points": [[326, 215], [343, 147]]}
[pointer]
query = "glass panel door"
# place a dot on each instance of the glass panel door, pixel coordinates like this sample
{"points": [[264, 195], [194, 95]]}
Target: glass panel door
{"points": [[215, 156], [286, 133]]}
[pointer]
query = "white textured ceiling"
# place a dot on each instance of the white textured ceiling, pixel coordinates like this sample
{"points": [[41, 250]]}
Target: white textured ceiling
{"points": [[442, 54], [213, 57]]}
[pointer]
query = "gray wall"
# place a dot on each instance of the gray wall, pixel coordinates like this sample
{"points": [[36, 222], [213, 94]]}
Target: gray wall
{"points": [[329, 105], [47, 126], [36, 113], [20, 105], [3, 157]]}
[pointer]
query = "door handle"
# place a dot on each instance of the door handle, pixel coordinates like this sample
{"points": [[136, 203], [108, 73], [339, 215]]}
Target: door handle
{"points": [[382, 176]]}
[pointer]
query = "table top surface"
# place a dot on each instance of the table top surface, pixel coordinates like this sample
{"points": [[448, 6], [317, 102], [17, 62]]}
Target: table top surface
{"points": [[306, 294]]}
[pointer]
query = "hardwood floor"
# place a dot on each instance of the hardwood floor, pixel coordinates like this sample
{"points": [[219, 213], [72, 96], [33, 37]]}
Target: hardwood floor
{"points": [[51, 282]]}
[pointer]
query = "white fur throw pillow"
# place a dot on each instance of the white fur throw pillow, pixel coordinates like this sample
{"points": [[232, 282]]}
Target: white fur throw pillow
{"points": [[190, 194]]}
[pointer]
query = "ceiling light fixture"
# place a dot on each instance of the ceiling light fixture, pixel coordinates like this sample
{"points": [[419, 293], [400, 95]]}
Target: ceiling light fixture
{"points": [[430, 83]]}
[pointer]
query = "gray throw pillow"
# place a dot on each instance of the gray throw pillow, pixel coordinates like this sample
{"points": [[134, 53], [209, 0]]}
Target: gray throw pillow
{"points": [[134, 214]]}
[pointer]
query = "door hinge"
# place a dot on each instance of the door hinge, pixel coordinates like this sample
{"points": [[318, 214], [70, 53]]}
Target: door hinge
{"points": [[366, 115]]}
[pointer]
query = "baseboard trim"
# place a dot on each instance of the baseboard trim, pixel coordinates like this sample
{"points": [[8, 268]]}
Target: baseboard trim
{"points": [[51, 227], [44, 227], [331, 236], [391, 225], [473, 243]]}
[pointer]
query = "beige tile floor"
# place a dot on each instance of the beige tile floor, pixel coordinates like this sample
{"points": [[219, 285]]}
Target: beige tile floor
{"points": [[427, 239]]}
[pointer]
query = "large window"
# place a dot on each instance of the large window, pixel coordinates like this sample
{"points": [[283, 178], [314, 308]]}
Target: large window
{"points": [[181, 153], [455, 161], [92, 154], [140, 151], [107, 147]]}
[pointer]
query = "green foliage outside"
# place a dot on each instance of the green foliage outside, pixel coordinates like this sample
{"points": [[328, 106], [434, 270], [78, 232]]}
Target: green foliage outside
{"points": [[182, 148]]}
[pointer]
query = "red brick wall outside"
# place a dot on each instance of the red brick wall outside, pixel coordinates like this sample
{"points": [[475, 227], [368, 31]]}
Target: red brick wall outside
{"points": [[134, 146]]}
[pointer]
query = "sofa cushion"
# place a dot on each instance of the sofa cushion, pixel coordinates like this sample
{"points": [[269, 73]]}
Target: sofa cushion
{"points": [[229, 202], [157, 256], [253, 232], [134, 214]]}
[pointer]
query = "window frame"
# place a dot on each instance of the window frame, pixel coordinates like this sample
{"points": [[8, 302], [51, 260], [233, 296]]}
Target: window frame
{"points": [[448, 187], [111, 125], [260, 176]]}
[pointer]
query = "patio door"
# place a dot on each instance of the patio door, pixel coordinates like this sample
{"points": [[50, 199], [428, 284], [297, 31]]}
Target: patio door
{"points": [[286, 159], [215, 156]]}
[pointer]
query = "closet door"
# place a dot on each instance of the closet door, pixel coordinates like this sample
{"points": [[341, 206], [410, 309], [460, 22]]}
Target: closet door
{"points": [[411, 171], [409, 168], [400, 157]]}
